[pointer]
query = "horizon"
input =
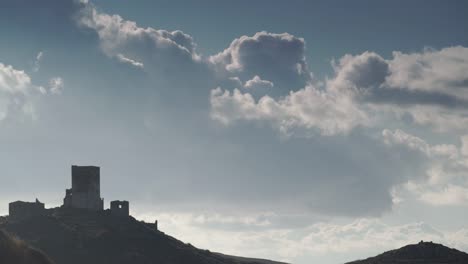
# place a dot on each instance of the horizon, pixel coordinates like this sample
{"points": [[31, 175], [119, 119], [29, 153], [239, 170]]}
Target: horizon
{"points": [[299, 131]]}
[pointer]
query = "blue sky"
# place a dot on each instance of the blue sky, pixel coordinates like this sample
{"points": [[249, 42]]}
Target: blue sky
{"points": [[299, 131]]}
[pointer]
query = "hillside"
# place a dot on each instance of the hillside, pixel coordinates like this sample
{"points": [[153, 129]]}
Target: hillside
{"points": [[423, 252], [78, 236], [15, 251]]}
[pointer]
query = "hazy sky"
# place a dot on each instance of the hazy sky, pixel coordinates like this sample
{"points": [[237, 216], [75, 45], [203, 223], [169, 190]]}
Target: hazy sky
{"points": [[310, 132]]}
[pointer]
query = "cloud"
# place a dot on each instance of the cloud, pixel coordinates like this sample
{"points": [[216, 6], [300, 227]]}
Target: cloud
{"points": [[256, 81], [308, 108], [277, 57], [124, 39], [445, 181], [56, 85], [18, 93], [243, 53], [134, 63], [364, 90], [37, 61], [329, 111], [13, 81], [400, 137], [431, 87], [15, 87], [434, 71], [362, 73]]}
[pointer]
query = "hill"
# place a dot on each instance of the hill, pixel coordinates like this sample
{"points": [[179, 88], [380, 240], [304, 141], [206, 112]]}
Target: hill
{"points": [[423, 252], [15, 251], [73, 236]]}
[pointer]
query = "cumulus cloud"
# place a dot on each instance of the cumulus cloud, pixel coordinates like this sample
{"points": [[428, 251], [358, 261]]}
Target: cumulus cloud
{"points": [[445, 166], [256, 81], [276, 57], [308, 108], [330, 111], [443, 71], [431, 87], [124, 39], [362, 73], [364, 88], [243, 53]]}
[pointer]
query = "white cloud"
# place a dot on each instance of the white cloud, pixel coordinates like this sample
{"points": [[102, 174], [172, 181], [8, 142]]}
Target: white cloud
{"points": [[37, 61], [308, 108], [332, 110], [446, 181], [279, 58], [124, 39], [359, 74], [281, 50], [134, 63], [365, 88], [401, 137], [441, 71], [256, 81], [439, 118], [13, 81], [15, 88], [431, 87], [56, 85]]}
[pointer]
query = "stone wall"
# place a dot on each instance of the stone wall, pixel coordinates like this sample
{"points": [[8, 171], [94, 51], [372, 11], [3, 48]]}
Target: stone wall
{"points": [[120, 208], [85, 192], [20, 209]]}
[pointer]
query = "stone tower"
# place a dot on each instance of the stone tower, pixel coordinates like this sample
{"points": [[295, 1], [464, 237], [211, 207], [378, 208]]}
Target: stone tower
{"points": [[85, 192]]}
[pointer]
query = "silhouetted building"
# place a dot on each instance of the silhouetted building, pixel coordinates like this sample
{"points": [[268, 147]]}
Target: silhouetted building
{"points": [[120, 208], [85, 192], [20, 209]]}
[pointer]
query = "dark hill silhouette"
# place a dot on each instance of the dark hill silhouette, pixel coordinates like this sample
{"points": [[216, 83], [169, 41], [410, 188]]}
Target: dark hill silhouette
{"points": [[73, 236], [423, 252], [15, 251]]}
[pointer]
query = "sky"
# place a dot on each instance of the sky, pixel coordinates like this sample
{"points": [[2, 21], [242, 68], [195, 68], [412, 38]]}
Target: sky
{"points": [[302, 131]]}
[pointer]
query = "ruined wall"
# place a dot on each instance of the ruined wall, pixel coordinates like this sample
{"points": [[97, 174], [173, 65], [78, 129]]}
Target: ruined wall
{"points": [[20, 209], [120, 208], [85, 192], [86, 179]]}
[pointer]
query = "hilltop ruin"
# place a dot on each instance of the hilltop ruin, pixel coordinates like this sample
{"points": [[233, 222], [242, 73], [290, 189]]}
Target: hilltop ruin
{"points": [[85, 194]]}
